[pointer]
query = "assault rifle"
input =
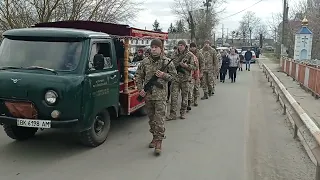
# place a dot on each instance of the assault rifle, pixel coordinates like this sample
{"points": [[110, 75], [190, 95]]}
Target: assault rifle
{"points": [[179, 68], [153, 81]]}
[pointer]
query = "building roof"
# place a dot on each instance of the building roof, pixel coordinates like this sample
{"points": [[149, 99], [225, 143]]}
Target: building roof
{"points": [[118, 30], [304, 30], [54, 32]]}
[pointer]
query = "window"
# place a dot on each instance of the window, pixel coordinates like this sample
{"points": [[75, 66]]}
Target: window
{"points": [[136, 41], [105, 50], [60, 56], [147, 41], [142, 41]]}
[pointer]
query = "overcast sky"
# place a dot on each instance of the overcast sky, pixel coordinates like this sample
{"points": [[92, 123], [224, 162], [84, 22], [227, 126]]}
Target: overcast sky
{"points": [[161, 10]]}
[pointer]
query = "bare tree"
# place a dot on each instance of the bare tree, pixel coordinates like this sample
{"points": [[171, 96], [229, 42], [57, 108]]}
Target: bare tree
{"points": [[248, 25], [273, 25], [261, 28], [193, 12], [17, 13]]}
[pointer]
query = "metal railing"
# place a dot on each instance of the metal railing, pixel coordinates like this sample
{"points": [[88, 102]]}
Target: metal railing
{"points": [[304, 127]]}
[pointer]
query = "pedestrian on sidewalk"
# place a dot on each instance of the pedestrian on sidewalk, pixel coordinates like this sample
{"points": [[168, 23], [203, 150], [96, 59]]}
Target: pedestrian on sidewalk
{"points": [[248, 57], [241, 62], [156, 98], [224, 66], [234, 64]]}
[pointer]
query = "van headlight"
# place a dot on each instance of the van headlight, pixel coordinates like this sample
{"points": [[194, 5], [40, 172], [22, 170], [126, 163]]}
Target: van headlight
{"points": [[51, 97]]}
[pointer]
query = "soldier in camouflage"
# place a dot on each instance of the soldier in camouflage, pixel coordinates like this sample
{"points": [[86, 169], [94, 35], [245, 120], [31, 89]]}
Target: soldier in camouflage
{"points": [[219, 60], [184, 63], [195, 84], [156, 99], [210, 64]]}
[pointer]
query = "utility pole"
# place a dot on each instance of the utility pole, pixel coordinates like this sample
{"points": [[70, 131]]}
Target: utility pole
{"points": [[222, 34], [284, 26], [207, 4], [227, 34]]}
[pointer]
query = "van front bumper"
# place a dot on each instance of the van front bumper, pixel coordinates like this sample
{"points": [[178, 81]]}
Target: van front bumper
{"points": [[5, 120]]}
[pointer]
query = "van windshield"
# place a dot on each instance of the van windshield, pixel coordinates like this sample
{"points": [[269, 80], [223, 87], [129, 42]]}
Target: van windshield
{"points": [[61, 56]]}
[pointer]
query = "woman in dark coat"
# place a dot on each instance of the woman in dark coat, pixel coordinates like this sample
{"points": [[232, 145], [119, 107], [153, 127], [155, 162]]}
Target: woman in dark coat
{"points": [[224, 66]]}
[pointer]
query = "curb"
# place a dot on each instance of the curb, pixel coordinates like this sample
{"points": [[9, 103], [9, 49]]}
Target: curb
{"points": [[304, 127]]}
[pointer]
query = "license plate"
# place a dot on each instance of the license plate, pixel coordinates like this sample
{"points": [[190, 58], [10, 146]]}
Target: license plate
{"points": [[34, 123]]}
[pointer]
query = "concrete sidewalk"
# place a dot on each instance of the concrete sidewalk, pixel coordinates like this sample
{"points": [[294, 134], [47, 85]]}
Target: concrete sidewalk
{"points": [[305, 99]]}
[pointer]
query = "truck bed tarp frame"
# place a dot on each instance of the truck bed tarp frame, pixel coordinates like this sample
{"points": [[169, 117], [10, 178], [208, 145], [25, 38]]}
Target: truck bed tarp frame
{"points": [[120, 30]]}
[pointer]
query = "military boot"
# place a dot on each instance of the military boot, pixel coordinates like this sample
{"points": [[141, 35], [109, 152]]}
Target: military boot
{"points": [[152, 144], [205, 96], [171, 117], [195, 102], [158, 148], [189, 106], [210, 93], [182, 116]]}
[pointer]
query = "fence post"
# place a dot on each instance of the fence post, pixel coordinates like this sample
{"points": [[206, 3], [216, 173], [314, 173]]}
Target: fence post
{"points": [[284, 109], [317, 172], [295, 134], [278, 97]]}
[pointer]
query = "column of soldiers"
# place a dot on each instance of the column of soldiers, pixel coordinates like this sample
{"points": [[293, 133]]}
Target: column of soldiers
{"points": [[188, 70]]}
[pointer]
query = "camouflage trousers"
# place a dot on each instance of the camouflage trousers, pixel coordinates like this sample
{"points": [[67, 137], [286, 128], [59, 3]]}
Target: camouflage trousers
{"points": [[176, 87], [156, 110], [215, 77], [207, 82], [194, 89]]}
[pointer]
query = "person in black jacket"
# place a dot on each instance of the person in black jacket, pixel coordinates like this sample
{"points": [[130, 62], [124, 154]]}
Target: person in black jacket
{"points": [[248, 57], [224, 66]]}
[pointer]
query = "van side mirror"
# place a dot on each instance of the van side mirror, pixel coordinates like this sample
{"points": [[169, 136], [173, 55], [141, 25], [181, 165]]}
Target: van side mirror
{"points": [[98, 62]]}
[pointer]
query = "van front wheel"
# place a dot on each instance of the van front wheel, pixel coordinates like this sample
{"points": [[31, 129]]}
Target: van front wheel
{"points": [[98, 132]]}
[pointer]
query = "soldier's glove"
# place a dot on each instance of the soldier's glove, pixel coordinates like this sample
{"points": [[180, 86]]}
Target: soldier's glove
{"points": [[160, 74]]}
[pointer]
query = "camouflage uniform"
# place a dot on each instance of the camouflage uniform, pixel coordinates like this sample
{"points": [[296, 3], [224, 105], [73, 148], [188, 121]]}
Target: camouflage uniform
{"points": [[207, 80], [155, 99], [181, 82], [194, 92], [219, 61]]}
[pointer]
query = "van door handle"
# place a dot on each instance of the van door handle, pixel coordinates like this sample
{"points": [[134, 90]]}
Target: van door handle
{"points": [[113, 76]]}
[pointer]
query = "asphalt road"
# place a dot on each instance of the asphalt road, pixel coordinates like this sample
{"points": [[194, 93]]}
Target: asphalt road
{"points": [[237, 134]]}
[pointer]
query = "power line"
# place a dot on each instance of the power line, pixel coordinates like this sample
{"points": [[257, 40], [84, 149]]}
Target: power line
{"points": [[243, 10]]}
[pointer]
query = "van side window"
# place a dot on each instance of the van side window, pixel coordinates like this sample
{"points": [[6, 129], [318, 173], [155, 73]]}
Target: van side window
{"points": [[105, 50]]}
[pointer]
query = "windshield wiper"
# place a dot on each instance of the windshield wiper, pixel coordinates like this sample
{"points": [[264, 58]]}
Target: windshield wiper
{"points": [[43, 68], [9, 67]]}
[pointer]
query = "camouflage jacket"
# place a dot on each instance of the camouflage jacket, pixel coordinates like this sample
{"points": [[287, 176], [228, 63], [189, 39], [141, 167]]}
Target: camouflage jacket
{"points": [[188, 58], [147, 69], [210, 59], [219, 59], [200, 57]]}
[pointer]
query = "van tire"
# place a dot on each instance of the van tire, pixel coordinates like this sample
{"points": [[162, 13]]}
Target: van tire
{"points": [[19, 133], [91, 137]]}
